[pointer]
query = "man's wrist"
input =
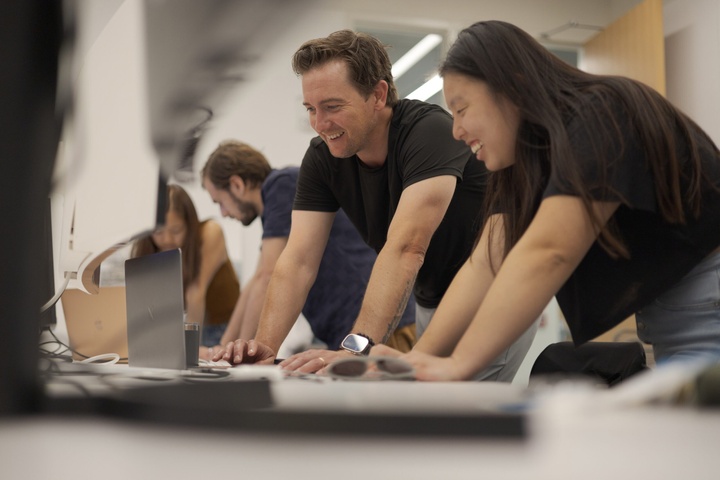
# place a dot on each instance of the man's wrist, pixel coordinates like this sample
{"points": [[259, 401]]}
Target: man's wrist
{"points": [[357, 344], [369, 339]]}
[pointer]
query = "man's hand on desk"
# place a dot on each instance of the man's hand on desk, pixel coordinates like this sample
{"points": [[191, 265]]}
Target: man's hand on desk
{"points": [[240, 351], [316, 361], [207, 353], [313, 361]]}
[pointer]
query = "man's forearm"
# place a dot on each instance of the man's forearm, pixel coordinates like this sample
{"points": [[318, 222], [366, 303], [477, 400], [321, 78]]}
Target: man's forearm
{"points": [[233, 329], [255, 299], [284, 300], [387, 295]]}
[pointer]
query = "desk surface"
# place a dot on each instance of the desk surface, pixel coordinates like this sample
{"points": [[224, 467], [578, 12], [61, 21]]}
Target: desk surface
{"points": [[572, 435], [263, 399]]}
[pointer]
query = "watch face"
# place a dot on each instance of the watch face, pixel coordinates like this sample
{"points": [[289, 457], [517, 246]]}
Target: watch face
{"points": [[355, 343]]}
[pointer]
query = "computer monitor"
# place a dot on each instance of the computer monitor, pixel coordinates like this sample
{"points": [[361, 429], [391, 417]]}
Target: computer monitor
{"points": [[46, 278], [29, 129]]}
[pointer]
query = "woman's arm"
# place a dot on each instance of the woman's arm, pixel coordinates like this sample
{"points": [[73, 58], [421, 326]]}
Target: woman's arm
{"points": [[534, 270], [213, 254], [543, 259], [465, 294]]}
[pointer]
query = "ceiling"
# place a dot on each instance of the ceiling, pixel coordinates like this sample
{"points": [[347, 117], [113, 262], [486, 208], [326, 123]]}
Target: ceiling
{"points": [[562, 25]]}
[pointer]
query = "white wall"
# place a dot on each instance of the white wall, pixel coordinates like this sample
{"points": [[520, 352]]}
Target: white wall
{"points": [[265, 111], [692, 60]]}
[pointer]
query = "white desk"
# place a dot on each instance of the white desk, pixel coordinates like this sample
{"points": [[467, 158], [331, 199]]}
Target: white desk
{"points": [[572, 436]]}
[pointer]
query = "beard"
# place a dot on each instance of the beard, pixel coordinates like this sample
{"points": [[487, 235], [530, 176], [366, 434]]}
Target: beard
{"points": [[248, 211]]}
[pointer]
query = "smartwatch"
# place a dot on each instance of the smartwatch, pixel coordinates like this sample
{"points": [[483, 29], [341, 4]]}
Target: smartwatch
{"points": [[357, 344]]}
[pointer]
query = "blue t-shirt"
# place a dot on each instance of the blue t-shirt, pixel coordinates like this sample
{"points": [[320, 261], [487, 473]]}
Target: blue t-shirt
{"points": [[334, 301]]}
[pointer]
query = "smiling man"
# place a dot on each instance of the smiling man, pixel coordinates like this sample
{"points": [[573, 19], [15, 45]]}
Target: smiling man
{"points": [[241, 182], [411, 190]]}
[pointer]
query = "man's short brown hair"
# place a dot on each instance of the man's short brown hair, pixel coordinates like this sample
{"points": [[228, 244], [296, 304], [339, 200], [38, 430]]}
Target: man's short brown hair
{"points": [[236, 158], [365, 56]]}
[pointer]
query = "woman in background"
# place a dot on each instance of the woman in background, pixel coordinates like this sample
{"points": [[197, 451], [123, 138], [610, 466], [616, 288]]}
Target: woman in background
{"points": [[210, 284], [601, 193]]}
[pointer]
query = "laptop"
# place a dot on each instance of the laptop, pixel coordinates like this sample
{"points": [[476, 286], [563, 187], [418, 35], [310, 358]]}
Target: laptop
{"points": [[96, 324], [154, 298]]}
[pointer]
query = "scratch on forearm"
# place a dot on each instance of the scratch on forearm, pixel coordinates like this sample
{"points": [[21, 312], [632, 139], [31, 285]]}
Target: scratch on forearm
{"points": [[399, 311]]}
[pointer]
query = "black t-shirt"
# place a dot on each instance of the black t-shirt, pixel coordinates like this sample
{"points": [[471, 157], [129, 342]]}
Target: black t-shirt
{"points": [[604, 291], [420, 147], [333, 303]]}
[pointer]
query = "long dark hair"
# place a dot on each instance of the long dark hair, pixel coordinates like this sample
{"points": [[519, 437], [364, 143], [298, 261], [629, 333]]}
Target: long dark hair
{"points": [[549, 94], [180, 203]]}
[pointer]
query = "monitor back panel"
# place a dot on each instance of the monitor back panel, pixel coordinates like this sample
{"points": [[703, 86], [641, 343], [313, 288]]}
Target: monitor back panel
{"points": [[154, 293]]}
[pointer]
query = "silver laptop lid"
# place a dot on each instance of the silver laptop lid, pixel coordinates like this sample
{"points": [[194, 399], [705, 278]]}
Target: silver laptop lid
{"points": [[154, 296]]}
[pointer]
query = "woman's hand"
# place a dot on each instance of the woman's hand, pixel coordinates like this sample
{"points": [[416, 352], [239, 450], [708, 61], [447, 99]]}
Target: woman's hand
{"points": [[385, 351], [427, 367], [438, 369]]}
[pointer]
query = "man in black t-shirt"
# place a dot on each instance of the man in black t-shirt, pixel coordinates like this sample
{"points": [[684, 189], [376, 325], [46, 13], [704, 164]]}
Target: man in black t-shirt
{"points": [[411, 190], [241, 182]]}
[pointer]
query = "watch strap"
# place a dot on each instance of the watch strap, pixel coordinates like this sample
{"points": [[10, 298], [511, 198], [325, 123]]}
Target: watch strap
{"points": [[372, 343]]}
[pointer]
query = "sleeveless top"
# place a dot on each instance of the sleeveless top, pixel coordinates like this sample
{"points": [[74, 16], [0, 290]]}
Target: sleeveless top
{"points": [[222, 295]]}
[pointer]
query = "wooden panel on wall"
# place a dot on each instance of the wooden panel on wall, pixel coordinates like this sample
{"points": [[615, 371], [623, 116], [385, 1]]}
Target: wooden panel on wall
{"points": [[632, 46]]}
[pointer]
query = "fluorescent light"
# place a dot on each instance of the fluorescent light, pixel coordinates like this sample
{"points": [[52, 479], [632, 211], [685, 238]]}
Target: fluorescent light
{"points": [[422, 48], [427, 89]]}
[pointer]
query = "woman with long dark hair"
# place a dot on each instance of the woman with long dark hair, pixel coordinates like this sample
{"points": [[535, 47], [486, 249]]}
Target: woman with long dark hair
{"points": [[602, 193], [209, 280]]}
